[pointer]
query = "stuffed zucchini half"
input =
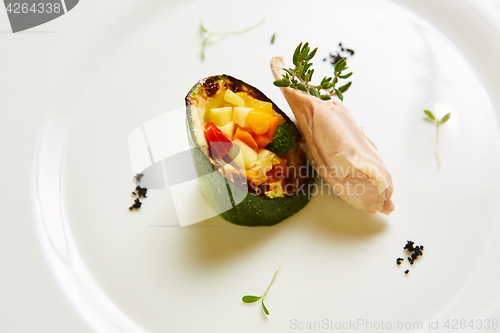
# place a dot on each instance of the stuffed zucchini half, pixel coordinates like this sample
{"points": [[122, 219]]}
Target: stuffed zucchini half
{"points": [[247, 153]]}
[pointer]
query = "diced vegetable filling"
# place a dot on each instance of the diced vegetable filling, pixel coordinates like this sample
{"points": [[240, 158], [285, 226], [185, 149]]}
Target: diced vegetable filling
{"points": [[257, 140]]}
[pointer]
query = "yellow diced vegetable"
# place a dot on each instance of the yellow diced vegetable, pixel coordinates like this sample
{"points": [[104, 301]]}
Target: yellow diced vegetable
{"points": [[220, 116], [239, 115], [228, 130], [248, 155], [232, 98]]}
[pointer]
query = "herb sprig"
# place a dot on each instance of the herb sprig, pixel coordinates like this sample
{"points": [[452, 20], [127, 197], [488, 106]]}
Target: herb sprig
{"points": [[300, 76], [253, 299], [432, 118], [207, 35]]}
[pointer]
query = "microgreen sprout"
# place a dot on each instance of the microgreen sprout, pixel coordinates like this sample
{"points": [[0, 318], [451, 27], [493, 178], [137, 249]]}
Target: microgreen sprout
{"points": [[300, 76], [253, 299], [273, 38], [207, 35], [432, 118]]}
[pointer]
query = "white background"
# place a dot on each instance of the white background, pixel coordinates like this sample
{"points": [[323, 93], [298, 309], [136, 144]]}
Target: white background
{"points": [[33, 67]]}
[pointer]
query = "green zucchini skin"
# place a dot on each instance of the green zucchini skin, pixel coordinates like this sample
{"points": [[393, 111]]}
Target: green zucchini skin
{"points": [[253, 210]]}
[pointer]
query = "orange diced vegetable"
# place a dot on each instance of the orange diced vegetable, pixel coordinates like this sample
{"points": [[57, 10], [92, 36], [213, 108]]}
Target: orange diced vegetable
{"points": [[261, 139], [260, 105], [258, 121], [245, 137], [272, 128]]}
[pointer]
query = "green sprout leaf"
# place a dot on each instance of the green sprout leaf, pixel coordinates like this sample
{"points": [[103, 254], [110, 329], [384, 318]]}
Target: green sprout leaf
{"points": [[430, 115], [266, 311], [273, 38], [253, 299], [438, 123], [250, 299], [202, 28], [300, 76], [207, 35], [445, 118]]}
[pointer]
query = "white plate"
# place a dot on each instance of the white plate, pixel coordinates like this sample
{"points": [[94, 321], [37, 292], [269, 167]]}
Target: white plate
{"points": [[141, 272]]}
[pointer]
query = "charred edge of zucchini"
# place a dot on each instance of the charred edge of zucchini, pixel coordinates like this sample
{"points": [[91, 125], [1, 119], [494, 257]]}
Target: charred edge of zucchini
{"points": [[254, 209]]}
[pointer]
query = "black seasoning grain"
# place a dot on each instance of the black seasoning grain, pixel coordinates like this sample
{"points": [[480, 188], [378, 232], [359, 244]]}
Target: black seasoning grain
{"points": [[335, 57], [137, 204], [141, 192], [409, 246], [416, 251]]}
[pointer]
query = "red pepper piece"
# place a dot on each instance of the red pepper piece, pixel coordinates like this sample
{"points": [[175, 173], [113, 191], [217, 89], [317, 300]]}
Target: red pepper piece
{"points": [[217, 141]]}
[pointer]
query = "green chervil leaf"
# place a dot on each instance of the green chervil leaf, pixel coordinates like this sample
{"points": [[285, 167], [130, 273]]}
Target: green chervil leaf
{"points": [[438, 123], [253, 299], [266, 311], [429, 114], [250, 299], [445, 118], [206, 34]]}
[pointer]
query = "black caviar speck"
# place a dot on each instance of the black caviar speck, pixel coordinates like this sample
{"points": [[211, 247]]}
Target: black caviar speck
{"points": [[141, 191], [409, 246], [416, 251], [137, 204], [138, 177], [335, 57]]}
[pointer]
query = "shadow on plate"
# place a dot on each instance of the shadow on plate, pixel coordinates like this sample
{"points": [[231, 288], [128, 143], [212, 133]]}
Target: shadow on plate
{"points": [[329, 215], [216, 240]]}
